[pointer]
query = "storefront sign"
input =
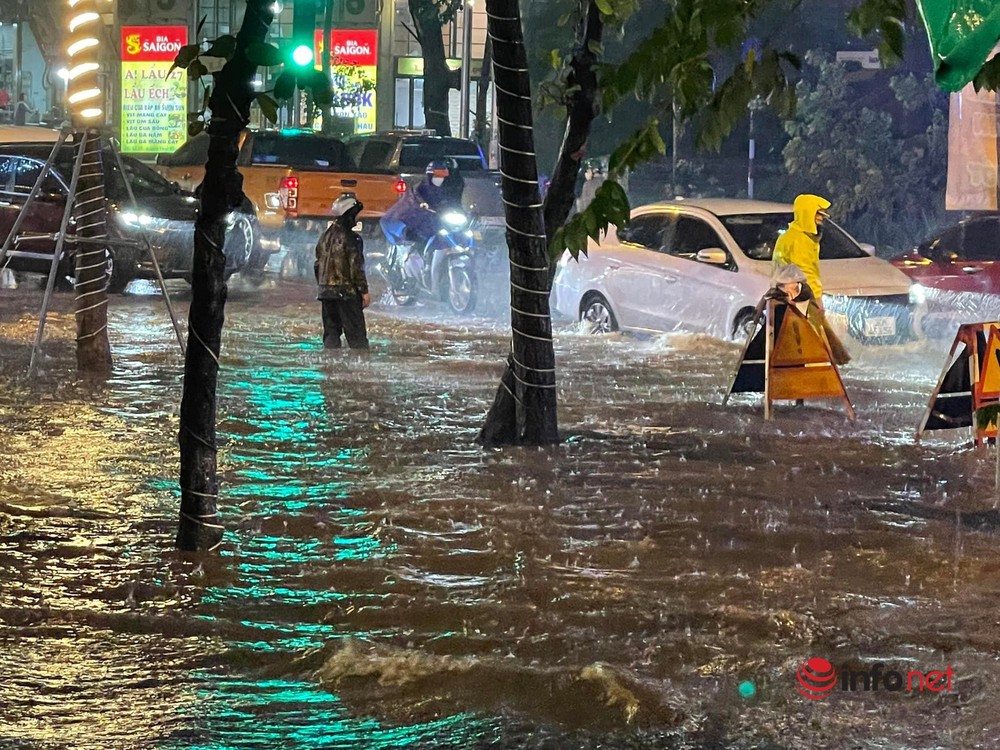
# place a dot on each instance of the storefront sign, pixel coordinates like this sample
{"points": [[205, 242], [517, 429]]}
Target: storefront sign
{"points": [[154, 105], [354, 68]]}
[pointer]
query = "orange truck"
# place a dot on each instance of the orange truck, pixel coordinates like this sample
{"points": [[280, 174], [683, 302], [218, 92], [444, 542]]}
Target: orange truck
{"points": [[266, 157], [387, 165]]}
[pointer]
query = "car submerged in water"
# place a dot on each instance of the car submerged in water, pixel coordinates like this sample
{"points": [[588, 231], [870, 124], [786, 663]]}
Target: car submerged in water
{"points": [[702, 265]]}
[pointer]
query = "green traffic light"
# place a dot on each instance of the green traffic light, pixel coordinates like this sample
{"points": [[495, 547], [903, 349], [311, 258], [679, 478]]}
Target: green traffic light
{"points": [[302, 55]]}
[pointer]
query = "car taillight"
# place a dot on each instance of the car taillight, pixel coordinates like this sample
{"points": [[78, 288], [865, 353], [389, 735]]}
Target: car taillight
{"points": [[401, 186], [289, 194]]}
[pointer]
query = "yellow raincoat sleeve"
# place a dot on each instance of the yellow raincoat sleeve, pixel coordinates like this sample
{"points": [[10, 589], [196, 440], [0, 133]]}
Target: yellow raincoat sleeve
{"points": [[799, 248], [800, 243]]}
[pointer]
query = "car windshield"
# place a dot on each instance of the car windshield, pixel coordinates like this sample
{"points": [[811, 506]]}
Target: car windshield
{"points": [[416, 155], [300, 151], [757, 233]]}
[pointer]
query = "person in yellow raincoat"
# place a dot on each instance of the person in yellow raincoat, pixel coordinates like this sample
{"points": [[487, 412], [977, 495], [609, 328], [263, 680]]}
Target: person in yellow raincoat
{"points": [[799, 246]]}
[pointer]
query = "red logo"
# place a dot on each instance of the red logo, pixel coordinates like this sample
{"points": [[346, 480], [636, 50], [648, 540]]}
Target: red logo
{"points": [[817, 678]]}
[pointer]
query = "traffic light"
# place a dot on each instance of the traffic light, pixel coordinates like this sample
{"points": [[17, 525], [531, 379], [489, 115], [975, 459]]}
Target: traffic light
{"points": [[303, 32]]}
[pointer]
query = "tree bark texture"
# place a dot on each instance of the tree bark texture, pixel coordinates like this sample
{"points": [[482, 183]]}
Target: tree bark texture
{"points": [[438, 79], [582, 108], [524, 412], [482, 129], [93, 352], [221, 192]]}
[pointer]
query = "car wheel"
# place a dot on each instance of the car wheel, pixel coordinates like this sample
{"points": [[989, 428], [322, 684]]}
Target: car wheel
{"points": [[597, 316], [744, 325], [240, 242], [118, 280]]}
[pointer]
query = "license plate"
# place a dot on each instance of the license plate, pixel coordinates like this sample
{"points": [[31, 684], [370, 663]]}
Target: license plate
{"points": [[884, 326], [493, 221]]}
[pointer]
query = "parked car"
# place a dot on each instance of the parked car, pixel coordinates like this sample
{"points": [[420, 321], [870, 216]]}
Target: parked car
{"points": [[166, 215], [962, 258], [702, 265]]}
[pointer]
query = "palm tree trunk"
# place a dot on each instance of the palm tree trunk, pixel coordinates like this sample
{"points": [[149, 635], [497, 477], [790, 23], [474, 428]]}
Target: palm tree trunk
{"points": [[93, 352], [582, 108], [524, 412], [221, 192]]}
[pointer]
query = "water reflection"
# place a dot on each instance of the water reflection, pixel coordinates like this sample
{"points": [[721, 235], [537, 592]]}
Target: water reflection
{"points": [[384, 583]]}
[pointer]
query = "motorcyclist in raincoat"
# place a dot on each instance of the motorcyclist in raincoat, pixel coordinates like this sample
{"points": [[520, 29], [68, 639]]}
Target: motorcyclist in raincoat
{"points": [[414, 216], [799, 245]]}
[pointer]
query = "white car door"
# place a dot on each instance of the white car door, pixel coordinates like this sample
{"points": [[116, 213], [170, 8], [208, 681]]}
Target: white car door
{"points": [[639, 271], [706, 287]]}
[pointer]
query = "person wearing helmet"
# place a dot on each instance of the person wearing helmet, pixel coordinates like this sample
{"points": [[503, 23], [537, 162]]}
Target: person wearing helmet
{"points": [[340, 274], [414, 215]]}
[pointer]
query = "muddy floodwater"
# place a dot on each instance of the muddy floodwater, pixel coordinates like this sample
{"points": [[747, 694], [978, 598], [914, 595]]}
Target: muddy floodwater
{"points": [[656, 581]]}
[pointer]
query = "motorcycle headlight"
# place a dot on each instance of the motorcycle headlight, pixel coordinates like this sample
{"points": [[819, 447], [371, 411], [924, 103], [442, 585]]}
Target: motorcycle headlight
{"points": [[454, 219], [918, 294]]}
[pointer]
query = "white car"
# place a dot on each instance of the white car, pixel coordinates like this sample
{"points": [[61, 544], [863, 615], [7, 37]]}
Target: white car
{"points": [[702, 265]]}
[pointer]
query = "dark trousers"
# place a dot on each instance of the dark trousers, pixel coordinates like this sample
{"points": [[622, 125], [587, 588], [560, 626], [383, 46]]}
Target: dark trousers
{"points": [[344, 317]]}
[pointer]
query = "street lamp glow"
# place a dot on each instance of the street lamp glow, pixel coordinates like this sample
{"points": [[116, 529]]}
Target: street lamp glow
{"points": [[302, 55], [276, 8], [83, 18]]}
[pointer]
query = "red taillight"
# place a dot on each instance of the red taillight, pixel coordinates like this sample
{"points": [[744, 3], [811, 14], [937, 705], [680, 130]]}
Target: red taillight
{"points": [[289, 192], [401, 186]]}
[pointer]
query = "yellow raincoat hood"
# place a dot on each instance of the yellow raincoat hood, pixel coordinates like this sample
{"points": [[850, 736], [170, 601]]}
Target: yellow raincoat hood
{"points": [[799, 245], [805, 208]]}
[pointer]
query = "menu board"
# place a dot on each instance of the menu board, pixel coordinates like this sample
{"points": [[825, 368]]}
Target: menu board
{"points": [[154, 104]]}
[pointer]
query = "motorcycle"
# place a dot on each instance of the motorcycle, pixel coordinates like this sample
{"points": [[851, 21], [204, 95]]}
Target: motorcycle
{"points": [[441, 267]]}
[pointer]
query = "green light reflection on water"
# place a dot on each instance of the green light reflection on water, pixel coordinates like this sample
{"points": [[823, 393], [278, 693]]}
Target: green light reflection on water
{"points": [[287, 460], [269, 713]]}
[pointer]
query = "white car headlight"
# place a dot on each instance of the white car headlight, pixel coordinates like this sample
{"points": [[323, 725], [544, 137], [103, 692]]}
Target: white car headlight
{"points": [[454, 219], [918, 294], [135, 220]]}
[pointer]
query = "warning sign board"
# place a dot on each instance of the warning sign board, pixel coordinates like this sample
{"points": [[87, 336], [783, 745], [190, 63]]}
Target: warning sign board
{"points": [[969, 381], [787, 359]]}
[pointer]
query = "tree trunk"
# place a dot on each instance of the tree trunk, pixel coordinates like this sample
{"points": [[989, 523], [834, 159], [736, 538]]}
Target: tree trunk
{"points": [[482, 134], [93, 352], [524, 412], [221, 192], [582, 108], [438, 79]]}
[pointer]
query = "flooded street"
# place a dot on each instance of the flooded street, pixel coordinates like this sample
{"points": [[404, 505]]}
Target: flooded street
{"points": [[386, 583]]}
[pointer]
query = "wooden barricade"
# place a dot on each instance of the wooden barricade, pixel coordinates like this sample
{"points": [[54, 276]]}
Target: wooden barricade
{"points": [[969, 381], [787, 359]]}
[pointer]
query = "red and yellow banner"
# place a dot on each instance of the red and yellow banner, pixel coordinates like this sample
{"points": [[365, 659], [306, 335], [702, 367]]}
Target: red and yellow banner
{"points": [[354, 69], [154, 105]]}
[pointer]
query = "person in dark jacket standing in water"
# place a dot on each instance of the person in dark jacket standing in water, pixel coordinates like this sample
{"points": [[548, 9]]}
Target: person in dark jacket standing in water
{"points": [[340, 273]]}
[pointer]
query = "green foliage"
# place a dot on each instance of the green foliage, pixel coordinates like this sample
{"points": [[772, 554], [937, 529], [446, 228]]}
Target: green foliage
{"points": [[988, 416], [267, 55], [886, 17], [887, 189], [610, 207], [989, 77]]}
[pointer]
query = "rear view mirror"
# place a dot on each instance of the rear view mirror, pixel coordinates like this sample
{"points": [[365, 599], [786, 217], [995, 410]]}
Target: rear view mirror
{"points": [[713, 256]]}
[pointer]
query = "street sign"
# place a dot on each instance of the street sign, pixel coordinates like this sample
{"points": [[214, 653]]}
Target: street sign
{"points": [[867, 58]]}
